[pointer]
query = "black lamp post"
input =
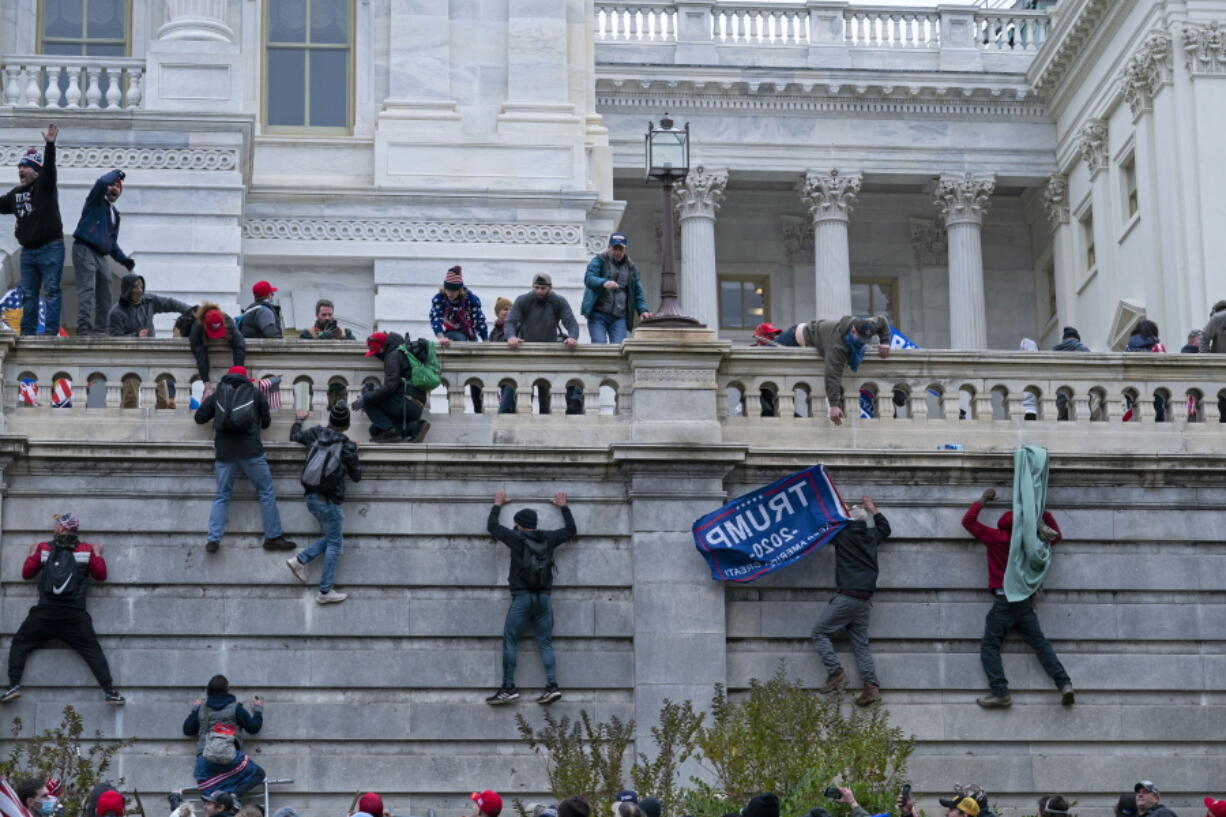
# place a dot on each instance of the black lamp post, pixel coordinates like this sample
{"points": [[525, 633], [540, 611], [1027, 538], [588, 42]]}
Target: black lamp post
{"points": [[668, 159]]}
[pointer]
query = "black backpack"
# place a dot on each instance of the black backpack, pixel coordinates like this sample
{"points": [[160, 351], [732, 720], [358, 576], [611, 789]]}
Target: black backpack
{"points": [[322, 472], [538, 566], [234, 407], [63, 575]]}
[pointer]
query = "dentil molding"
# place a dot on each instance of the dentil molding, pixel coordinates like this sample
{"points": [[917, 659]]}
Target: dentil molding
{"points": [[701, 192], [1055, 200], [830, 194], [964, 198], [128, 158], [1146, 71], [1204, 48], [460, 232], [1092, 145], [1066, 44]]}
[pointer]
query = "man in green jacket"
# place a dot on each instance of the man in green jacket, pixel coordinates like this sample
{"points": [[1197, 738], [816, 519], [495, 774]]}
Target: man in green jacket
{"points": [[842, 344], [612, 295]]}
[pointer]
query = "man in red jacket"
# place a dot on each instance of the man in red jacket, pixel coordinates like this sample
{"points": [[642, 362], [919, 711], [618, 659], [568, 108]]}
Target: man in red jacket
{"points": [[1005, 615], [66, 564]]}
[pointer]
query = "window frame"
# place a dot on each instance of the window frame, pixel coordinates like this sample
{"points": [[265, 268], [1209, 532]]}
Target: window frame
{"points": [[743, 278], [1083, 248], [40, 40], [886, 282], [351, 67]]}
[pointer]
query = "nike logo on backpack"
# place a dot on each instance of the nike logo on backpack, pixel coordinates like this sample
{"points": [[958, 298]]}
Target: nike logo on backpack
{"points": [[62, 587]]}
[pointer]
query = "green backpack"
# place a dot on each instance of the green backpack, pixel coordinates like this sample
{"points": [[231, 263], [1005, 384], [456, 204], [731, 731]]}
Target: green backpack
{"points": [[425, 376]]}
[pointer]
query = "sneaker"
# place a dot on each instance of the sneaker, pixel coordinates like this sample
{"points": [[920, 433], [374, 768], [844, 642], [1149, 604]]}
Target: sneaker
{"points": [[871, 694], [1067, 696], [211, 546], [297, 568], [551, 694], [423, 428], [114, 698], [12, 694], [503, 695], [331, 597], [834, 681], [280, 543], [995, 701], [390, 435]]}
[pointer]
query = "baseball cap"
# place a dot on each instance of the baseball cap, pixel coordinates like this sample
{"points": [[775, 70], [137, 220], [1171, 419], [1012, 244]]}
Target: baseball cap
{"points": [[968, 806], [542, 278], [1216, 808], [371, 803], [222, 798], [214, 324], [375, 342], [627, 795], [767, 329], [1146, 785], [488, 802], [237, 370], [617, 240], [109, 802], [262, 289]]}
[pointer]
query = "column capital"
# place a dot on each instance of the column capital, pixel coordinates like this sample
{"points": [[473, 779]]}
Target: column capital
{"points": [[1092, 145], [1147, 70], [964, 198], [701, 193], [1204, 47], [1055, 201], [830, 194]]}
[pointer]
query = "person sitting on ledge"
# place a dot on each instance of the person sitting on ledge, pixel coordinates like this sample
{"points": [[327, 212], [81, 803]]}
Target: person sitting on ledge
{"points": [[325, 326], [132, 315], [842, 344]]}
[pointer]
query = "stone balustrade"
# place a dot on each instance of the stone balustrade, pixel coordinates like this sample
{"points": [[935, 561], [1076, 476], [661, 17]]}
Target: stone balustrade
{"points": [[92, 83]]}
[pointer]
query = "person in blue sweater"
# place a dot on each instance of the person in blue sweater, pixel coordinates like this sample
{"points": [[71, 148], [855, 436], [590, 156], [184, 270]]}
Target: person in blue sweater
{"points": [[95, 240], [221, 712], [456, 315], [612, 296]]}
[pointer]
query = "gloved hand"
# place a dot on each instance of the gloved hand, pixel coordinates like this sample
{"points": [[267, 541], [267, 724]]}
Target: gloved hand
{"points": [[130, 263], [356, 405]]}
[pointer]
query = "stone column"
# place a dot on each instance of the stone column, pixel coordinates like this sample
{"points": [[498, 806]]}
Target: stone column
{"points": [[830, 196], [1055, 202], [697, 200], [963, 201], [196, 20]]}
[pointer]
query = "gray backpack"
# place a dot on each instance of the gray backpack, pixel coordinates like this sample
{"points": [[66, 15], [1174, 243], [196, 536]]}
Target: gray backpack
{"points": [[218, 741]]}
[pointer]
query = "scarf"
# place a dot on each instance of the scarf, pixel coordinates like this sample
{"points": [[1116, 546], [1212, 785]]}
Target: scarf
{"points": [[855, 351], [455, 316]]}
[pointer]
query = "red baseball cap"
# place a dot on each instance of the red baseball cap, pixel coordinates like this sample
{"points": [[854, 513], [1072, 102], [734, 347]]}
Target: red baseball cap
{"points": [[375, 342], [371, 803], [488, 802], [110, 802], [262, 289], [1217, 808], [214, 324], [237, 370], [767, 329]]}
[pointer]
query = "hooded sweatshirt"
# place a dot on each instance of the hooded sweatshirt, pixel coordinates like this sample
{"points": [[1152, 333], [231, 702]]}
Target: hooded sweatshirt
{"points": [[86, 559], [98, 227], [349, 455], [250, 722], [127, 318], [536, 319], [1213, 338], [829, 338], [997, 540], [1070, 345], [855, 561], [37, 206], [262, 319], [199, 340], [1144, 343], [395, 372], [517, 541], [232, 446]]}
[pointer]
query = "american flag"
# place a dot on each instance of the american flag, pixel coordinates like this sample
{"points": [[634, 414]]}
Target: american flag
{"points": [[29, 391], [61, 393], [10, 805], [868, 404], [11, 309], [271, 387]]}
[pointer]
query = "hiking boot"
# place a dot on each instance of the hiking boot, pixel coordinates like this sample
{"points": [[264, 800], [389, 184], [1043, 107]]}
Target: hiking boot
{"points": [[280, 543], [1067, 696], [423, 427], [871, 694], [12, 694], [551, 694], [331, 597], [114, 698], [994, 701], [297, 568], [834, 681], [504, 695], [211, 546], [389, 435]]}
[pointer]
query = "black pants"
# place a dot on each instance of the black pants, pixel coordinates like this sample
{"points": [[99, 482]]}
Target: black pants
{"points": [[396, 412], [72, 626], [1003, 617], [474, 391]]}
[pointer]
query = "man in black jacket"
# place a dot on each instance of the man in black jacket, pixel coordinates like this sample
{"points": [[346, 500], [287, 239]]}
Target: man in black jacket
{"points": [[534, 318], [40, 232], [240, 448], [531, 581], [1147, 800], [325, 492], [132, 315], [855, 577], [396, 406]]}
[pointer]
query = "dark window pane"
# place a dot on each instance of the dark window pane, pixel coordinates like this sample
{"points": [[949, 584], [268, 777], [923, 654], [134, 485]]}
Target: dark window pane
{"points": [[105, 50], [105, 19], [286, 86], [329, 89], [62, 18], [730, 303], [861, 299], [287, 21], [56, 49], [330, 21]]}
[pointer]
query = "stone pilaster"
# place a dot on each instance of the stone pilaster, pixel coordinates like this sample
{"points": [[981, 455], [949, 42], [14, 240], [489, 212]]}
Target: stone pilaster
{"points": [[1146, 71], [697, 200], [963, 201], [831, 196]]}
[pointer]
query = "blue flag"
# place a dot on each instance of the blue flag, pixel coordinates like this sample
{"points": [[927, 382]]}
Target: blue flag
{"points": [[900, 341], [772, 527]]}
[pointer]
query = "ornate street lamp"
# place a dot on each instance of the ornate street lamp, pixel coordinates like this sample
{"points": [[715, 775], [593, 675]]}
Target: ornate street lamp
{"points": [[668, 160]]}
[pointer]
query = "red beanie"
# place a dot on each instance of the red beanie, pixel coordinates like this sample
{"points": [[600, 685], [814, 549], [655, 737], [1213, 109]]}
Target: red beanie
{"points": [[110, 802], [237, 370], [371, 803]]}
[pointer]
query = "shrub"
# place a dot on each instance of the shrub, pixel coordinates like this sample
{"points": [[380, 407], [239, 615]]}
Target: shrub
{"points": [[581, 757]]}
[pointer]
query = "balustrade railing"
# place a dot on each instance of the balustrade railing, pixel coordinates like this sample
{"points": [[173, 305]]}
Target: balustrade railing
{"points": [[892, 28], [636, 22], [1012, 31], [94, 83], [760, 25]]}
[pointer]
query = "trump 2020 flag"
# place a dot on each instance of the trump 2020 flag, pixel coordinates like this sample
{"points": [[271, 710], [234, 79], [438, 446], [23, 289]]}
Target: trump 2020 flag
{"points": [[772, 527], [900, 341]]}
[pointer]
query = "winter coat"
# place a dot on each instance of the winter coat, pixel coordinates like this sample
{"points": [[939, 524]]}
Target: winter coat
{"points": [[396, 372], [1070, 345], [250, 722], [829, 338], [517, 541], [440, 312], [199, 341], [601, 269], [349, 455], [1213, 339], [262, 319], [855, 559], [86, 559], [536, 319], [127, 319], [99, 224], [231, 446], [498, 332], [1141, 343], [37, 206], [997, 540]]}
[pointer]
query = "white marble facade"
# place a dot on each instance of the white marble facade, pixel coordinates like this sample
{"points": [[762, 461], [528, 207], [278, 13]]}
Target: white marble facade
{"points": [[964, 157]]}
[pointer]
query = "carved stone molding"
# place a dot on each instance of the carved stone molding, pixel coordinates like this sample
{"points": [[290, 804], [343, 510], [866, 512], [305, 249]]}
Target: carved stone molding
{"points": [[595, 244], [831, 195], [1204, 48], [701, 193], [964, 198], [930, 242], [1067, 42], [1092, 145], [1146, 71], [196, 20], [1055, 201], [797, 239], [460, 232], [134, 158]]}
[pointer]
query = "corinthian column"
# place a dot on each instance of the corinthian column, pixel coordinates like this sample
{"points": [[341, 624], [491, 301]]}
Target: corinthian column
{"points": [[963, 200], [830, 196], [697, 200]]}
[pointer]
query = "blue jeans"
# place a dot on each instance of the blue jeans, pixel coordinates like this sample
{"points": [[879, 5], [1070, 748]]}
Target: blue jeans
{"points": [[332, 520], [574, 399], [41, 269], [539, 607], [604, 328], [258, 472]]}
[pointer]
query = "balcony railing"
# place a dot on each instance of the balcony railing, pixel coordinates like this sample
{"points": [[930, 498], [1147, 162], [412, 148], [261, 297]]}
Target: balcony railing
{"points": [[768, 399], [94, 83]]}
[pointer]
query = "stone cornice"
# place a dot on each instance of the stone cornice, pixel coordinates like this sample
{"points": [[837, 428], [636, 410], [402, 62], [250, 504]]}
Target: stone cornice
{"points": [[1074, 24], [1204, 47], [1146, 71]]}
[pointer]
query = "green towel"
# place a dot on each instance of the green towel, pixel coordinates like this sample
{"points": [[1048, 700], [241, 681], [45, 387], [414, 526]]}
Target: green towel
{"points": [[1029, 555]]}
